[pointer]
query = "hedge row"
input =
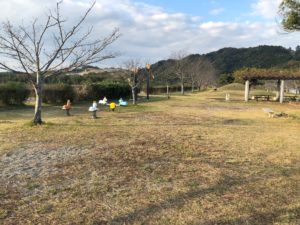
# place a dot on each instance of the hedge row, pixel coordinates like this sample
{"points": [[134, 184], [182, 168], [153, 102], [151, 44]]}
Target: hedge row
{"points": [[111, 90], [59, 93], [13, 93], [17, 93]]}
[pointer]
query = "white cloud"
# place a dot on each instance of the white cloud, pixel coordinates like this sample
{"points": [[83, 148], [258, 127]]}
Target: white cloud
{"points": [[151, 33], [266, 8], [216, 11]]}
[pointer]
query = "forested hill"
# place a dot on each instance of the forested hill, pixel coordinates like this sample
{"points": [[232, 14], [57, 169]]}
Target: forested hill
{"points": [[227, 60]]}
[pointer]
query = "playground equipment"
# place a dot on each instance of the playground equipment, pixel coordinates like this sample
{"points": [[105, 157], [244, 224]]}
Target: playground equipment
{"points": [[103, 101], [112, 106], [94, 110], [122, 102], [67, 107]]}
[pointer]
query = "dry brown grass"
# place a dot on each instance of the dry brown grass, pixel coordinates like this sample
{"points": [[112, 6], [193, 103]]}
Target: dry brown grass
{"points": [[190, 160]]}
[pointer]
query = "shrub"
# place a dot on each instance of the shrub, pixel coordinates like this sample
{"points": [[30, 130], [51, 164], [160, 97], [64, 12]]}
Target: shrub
{"points": [[13, 93], [65, 79], [58, 93], [226, 78], [109, 89]]}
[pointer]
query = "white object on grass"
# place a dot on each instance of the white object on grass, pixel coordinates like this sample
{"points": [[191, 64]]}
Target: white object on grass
{"points": [[269, 111], [93, 107]]}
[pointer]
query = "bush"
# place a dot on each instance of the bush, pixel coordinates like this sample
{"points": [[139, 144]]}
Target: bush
{"points": [[65, 79], [226, 78], [109, 89], [58, 93], [13, 93]]}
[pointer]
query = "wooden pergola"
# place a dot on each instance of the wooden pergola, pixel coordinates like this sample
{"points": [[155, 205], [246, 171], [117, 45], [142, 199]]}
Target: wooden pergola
{"points": [[268, 74]]}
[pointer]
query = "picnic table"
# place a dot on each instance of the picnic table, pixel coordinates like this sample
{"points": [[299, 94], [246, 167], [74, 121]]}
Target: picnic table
{"points": [[292, 98], [263, 97]]}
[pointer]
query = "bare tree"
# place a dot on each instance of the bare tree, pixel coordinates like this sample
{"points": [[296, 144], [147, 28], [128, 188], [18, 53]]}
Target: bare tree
{"points": [[27, 50], [202, 73], [179, 67], [133, 76]]}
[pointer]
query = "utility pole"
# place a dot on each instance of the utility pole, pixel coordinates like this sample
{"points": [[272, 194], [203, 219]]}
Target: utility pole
{"points": [[148, 67]]}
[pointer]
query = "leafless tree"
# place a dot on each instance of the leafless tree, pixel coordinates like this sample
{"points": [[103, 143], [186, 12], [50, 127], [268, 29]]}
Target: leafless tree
{"points": [[201, 73], [179, 67], [27, 49], [132, 74]]}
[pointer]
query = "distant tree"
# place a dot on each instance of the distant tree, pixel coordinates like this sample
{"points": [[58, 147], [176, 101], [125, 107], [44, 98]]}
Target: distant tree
{"points": [[132, 74], [48, 48], [179, 68], [297, 53], [289, 10], [164, 75], [201, 73], [226, 78]]}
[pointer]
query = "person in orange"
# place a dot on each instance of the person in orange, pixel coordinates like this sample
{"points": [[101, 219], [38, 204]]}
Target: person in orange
{"points": [[112, 106], [67, 107]]}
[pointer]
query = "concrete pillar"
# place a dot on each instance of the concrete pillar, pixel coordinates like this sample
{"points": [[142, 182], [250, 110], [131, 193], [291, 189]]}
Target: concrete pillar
{"points": [[247, 90], [281, 91]]}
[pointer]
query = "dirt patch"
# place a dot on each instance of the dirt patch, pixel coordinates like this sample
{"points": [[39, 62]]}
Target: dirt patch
{"points": [[236, 122], [36, 161]]}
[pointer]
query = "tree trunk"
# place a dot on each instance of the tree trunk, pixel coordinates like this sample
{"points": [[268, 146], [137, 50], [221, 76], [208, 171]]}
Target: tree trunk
{"points": [[148, 86], [199, 84], [168, 95], [37, 119], [278, 91], [135, 88], [133, 96], [193, 85], [182, 89], [136, 94]]}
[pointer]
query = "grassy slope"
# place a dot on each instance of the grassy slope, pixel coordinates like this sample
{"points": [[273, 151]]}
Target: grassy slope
{"points": [[190, 160]]}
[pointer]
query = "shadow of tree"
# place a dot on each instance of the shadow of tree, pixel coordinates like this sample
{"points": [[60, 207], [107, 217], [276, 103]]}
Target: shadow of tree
{"points": [[225, 184], [258, 218]]}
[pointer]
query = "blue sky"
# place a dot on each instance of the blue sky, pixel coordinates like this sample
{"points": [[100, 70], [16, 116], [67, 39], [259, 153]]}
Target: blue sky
{"points": [[211, 10], [154, 29]]}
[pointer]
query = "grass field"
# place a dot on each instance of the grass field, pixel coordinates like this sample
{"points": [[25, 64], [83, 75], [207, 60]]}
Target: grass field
{"points": [[189, 160]]}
